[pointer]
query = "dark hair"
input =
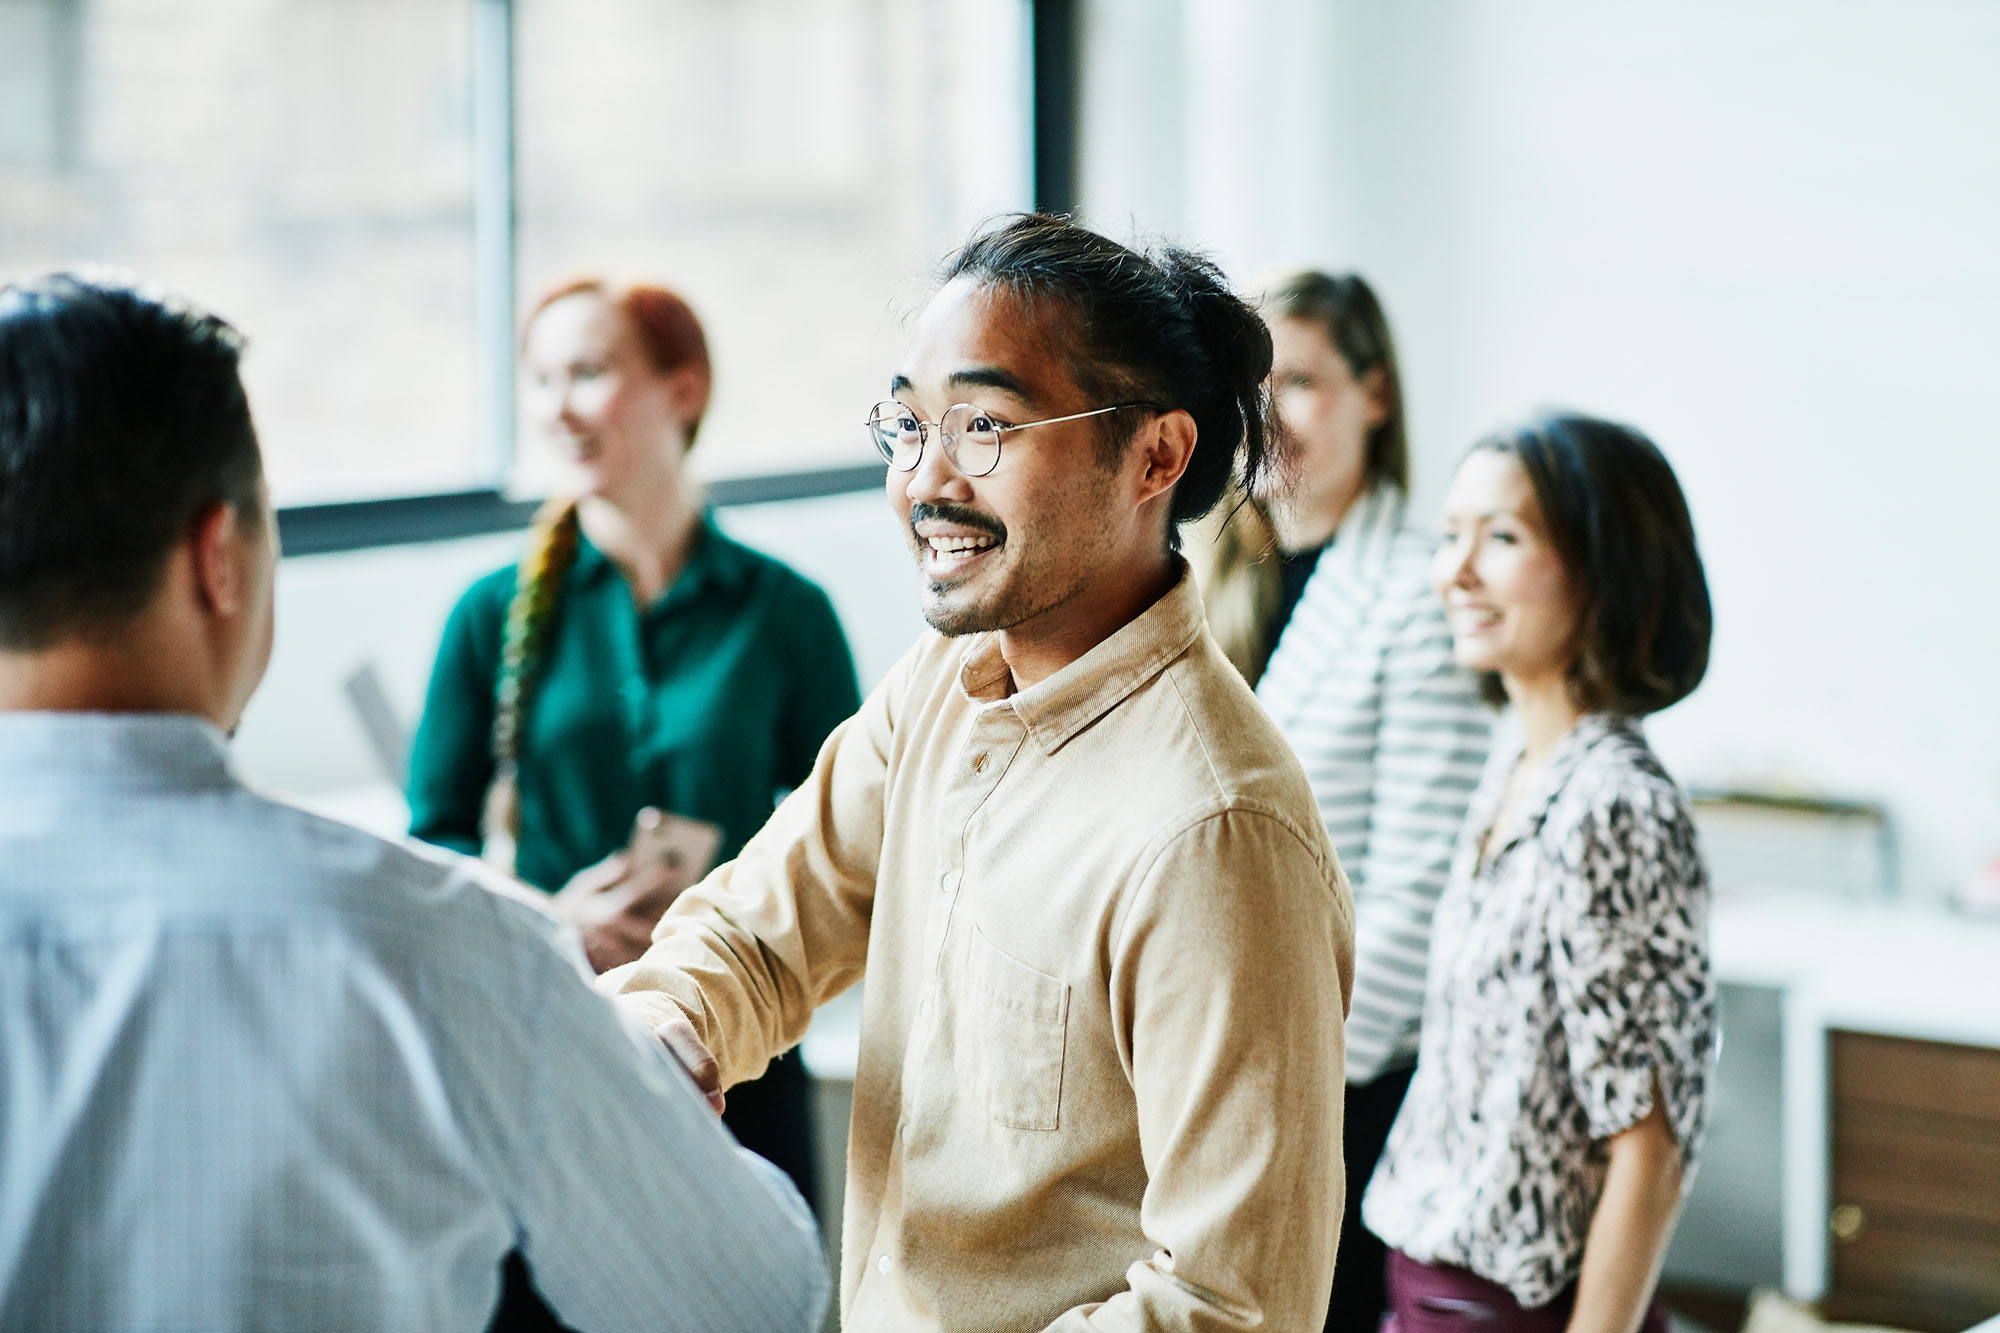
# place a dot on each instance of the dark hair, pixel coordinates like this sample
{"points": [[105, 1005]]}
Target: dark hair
{"points": [[1616, 515], [1344, 308], [1161, 328], [665, 326], [122, 418]]}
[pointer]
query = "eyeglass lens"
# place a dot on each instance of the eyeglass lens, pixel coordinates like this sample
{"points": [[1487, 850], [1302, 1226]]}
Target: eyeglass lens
{"points": [[971, 439]]}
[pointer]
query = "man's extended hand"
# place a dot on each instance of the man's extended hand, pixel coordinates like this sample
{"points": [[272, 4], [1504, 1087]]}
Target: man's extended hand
{"points": [[679, 1037]]}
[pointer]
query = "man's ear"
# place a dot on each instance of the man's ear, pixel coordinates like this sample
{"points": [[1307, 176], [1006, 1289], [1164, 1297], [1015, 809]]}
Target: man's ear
{"points": [[1166, 445], [215, 547]]}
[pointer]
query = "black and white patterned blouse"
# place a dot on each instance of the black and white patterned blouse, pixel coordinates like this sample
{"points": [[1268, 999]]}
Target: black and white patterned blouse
{"points": [[1566, 972]]}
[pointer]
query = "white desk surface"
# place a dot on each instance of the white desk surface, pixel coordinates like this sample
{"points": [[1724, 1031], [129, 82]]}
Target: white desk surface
{"points": [[1901, 969]]}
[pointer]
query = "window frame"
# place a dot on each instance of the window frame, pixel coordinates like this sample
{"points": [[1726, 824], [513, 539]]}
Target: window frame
{"points": [[396, 520]]}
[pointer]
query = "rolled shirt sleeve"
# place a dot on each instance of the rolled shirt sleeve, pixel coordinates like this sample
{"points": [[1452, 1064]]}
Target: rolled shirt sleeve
{"points": [[1628, 960]]}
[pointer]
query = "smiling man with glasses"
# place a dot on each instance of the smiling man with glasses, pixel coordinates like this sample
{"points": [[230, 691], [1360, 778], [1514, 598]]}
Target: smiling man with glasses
{"points": [[1107, 945]]}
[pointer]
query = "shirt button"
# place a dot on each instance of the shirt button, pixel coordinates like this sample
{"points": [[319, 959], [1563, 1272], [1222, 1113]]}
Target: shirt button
{"points": [[882, 1265], [949, 883], [923, 1009], [979, 762]]}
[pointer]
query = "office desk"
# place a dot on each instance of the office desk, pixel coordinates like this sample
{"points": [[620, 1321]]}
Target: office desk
{"points": [[1887, 969]]}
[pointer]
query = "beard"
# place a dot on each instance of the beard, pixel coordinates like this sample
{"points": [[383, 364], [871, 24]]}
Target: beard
{"points": [[941, 613], [954, 610], [1016, 597], [981, 617], [1025, 575], [955, 621]]}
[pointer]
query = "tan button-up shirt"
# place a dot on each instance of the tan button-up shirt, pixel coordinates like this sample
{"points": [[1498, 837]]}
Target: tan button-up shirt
{"points": [[1108, 952]]}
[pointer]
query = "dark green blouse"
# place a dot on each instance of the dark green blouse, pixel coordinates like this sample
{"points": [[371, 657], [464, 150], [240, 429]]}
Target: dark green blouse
{"points": [[710, 703]]}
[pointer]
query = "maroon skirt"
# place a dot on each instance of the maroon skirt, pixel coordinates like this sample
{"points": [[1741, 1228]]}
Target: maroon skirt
{"points": [[1435, 1298]]}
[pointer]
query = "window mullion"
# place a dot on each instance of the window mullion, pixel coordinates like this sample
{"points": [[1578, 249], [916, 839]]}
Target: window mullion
{"points": [[493, 231]]}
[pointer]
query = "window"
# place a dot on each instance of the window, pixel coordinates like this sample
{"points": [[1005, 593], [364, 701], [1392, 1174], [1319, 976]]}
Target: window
{"points": [[793, 167], [333, 176], [304, 168]]}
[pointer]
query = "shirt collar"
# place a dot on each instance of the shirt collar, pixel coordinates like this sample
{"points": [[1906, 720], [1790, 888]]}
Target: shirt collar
{"points": [[171, 750], [1590, 729], [1058, 708], [713, 560]]}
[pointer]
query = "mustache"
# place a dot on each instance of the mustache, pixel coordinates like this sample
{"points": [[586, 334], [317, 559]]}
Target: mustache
{"points": [[959, 514]]}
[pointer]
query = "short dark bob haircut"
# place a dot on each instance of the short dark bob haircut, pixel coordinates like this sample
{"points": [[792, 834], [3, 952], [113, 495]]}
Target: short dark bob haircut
{"points": [[1617, 517]]}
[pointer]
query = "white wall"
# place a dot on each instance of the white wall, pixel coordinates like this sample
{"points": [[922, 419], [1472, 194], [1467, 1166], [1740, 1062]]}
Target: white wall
{"points": [[1769, 235], [388, 606]]}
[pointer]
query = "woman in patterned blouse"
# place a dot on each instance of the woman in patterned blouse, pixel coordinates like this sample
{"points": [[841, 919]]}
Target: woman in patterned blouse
{"points": [[1532, 1179]]}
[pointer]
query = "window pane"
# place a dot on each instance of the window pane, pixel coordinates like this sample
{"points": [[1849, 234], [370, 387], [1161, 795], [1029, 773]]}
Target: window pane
{"points": [[303, 167], [793, 167]]}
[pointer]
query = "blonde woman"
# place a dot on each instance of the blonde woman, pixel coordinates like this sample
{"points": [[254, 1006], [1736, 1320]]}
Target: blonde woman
{"points": [[1321, 596]]}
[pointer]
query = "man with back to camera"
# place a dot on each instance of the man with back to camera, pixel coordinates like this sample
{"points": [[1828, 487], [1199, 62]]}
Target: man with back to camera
{"points": [[1106, 941], [258, 1068]]}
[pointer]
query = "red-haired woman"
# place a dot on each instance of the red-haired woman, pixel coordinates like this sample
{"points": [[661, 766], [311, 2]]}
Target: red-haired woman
{"points": [[635, 660]]}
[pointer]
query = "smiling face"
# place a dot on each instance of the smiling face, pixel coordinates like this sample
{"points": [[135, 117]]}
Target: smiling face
{"points": [[1023, 547], [1513, 605], [1327, 411], [619, 423]]}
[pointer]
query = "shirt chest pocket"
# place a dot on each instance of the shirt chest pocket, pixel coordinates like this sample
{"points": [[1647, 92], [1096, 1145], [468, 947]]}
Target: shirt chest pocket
{"points": [[1019, 1025]]}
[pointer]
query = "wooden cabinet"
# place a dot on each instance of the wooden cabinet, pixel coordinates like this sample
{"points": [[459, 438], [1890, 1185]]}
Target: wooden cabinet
{"points": [[1916, 1182]]}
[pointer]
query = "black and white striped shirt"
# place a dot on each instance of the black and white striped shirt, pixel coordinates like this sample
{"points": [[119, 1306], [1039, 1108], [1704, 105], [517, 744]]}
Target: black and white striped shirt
{"points": [[1393, 736]]}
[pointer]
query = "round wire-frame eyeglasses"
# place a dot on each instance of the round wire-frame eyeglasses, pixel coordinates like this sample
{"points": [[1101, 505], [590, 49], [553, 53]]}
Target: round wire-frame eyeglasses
{"points": [[970, 436]]}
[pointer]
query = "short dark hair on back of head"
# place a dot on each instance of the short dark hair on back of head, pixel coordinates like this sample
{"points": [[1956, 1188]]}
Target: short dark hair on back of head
{"points": [[1617, 516], [1161, 328], [122, 418]]}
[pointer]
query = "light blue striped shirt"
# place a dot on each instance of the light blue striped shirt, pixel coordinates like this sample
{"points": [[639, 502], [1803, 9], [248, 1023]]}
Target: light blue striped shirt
{"points": [[261, 1070]]}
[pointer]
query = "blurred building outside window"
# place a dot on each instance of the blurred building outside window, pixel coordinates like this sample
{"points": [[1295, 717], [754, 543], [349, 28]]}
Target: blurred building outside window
{"points": [[331, 174], [795, 168]]}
